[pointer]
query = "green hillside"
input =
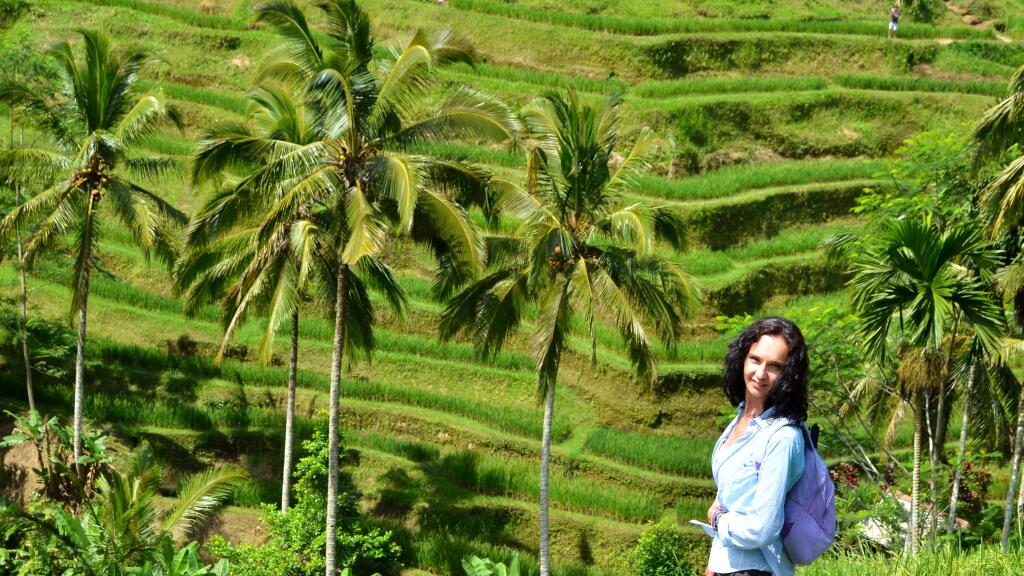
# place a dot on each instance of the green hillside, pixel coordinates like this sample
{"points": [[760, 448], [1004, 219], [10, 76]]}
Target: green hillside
{"points": [[773, 117]]}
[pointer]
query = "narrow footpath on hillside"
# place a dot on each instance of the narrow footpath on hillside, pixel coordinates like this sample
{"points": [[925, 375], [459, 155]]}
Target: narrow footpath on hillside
{"points": [[976, 21]]}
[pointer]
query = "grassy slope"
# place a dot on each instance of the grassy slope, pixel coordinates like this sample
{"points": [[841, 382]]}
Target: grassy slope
{"points": [[449, 441]]}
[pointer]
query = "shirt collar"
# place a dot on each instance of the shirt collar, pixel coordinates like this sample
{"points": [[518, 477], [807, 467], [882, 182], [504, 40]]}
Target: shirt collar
{"points": [[762, 418]]}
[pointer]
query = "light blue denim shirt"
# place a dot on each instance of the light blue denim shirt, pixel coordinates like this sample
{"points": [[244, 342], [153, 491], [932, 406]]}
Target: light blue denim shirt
{"points": [[754, 497]]}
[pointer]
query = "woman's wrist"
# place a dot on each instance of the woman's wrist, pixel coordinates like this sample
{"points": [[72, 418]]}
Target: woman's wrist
{"points": [[714, 519]]}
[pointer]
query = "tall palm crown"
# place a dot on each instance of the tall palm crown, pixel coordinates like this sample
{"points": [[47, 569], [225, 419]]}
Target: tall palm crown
{"points": [[96, 135], [581, 253], [359, 115], [1000, 128], [232, 258]]}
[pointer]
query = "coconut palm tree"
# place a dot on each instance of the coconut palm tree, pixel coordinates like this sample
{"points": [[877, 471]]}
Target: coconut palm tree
{"points": [[582, 254], [999, 129], [988, 384], [18, 182], [923, 278], [357, 184], [230, 261], [96, 156]]}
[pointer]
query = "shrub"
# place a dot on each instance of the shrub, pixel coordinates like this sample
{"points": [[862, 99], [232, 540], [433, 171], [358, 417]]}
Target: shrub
{"points": [[925, 11], [295, 547], [11, 10], [661, 551]]}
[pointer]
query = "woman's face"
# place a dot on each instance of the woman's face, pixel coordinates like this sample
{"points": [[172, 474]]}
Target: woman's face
{"points": [[762, 368]]}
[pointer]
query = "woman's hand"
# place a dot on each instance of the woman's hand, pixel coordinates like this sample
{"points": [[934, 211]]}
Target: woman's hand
{"points": [[709, 572], [711, 511]]}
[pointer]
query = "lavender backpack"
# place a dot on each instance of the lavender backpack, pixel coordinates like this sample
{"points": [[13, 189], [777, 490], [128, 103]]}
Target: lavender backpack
{"points": [[810, 524]]}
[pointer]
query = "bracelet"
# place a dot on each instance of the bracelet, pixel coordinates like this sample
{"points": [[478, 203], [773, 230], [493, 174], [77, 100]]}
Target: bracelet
{"points": [[714, 519]]}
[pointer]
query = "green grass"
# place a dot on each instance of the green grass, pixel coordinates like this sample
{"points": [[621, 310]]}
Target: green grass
{"points": [[667, 88], [867, 82], [948, 561], [675, 454], [548, 80], [503, 476], [509, 418], [470, 153], [190, 17], [704, 262], [445, 553], [656, 26], [199, 95], [734, 179]]}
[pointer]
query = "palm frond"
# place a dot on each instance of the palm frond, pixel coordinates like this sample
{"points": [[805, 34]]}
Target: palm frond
{"points": [[444, 219], [32, 101], [551, 331], [142, 120], [636, 162], [633, 224], [1003, 196], [301, 46], [1000, 127], [466, 114], [366, 234], [350, 26], [30, 165], [199, 496], [155, 167], [398, 178]]}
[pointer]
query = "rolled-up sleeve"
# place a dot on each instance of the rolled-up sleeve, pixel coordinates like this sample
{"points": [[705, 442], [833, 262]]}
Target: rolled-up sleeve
{"points": [[760, 523]]}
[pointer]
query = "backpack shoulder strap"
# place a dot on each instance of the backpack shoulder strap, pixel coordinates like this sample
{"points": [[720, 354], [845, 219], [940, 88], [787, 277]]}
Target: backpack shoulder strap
{"points": [[776, 425]]}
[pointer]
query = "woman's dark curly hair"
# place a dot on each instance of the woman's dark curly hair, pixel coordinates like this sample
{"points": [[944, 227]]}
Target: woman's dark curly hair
{"points": [[789, 395]]}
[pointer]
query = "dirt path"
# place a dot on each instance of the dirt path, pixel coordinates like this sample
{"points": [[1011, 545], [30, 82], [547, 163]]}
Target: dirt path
{"points": [[972, 20]]}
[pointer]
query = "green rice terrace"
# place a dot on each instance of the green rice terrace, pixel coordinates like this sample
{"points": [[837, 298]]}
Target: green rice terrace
{"points": [[770, 120]]}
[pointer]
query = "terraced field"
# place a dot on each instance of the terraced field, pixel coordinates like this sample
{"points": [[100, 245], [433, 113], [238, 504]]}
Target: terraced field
{"points": [[774, 117]]}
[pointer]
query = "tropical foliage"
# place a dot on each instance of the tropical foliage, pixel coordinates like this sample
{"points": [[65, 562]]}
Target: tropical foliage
{"points": [[95, 132], [337, 186], [296, 543], [345, 184], [582, 254], [114, 524]]}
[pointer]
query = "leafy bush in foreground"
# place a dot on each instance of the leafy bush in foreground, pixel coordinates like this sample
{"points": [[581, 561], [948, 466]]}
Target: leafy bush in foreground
{"points": [[661, 552], [296, 544]]}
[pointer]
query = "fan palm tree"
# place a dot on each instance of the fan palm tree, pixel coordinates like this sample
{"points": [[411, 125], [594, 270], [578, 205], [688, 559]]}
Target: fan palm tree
{"points": [[96, 137], [582, 255], [344, 194], [924, 278]]}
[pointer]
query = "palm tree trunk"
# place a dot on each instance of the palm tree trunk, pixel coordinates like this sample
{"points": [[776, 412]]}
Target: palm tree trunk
{"points": [[915, 482], [953, 499], [1020, 502], [289, 418], [545, 459], [942, 414], [24, 309], [82, 317], [1014, 472], [332, 429], [933, 516]]}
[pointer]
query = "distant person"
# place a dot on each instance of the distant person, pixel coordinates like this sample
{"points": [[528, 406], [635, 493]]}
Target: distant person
{"points": [[894, 20], [758, 459]]}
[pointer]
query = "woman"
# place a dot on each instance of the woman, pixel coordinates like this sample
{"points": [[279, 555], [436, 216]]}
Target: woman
{"points": [[758, 458]]}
